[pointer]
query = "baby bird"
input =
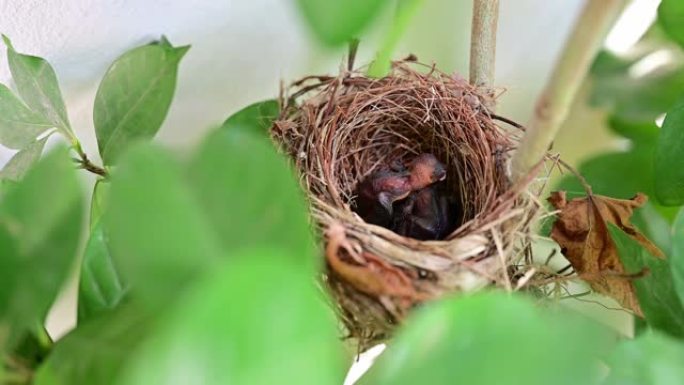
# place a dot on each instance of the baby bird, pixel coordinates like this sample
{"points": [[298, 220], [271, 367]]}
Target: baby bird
{"points": [[377, 193], [424, 215]]}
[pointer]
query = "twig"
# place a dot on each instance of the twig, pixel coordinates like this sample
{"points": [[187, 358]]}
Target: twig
{"points": [[353, 47], [483, 43], [552, 107], [87, 165]]}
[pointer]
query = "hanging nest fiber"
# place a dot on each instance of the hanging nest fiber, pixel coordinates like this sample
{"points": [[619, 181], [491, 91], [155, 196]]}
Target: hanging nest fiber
{"points": [[338, 130]]}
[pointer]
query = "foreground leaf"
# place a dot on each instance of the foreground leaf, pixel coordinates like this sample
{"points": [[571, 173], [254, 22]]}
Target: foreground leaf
{"points": [[100, 287], [99, 201], [650, 359], [19, 126], [337, 21], [250, 195], [669, 158], [256, 118], [37, 84], [655, 291], [96, 351], [581, 231], [134, 97], [21, 162], [677, 260], [40, 226], [671, 17], [258, 321], [461, 340], [158, 234]]}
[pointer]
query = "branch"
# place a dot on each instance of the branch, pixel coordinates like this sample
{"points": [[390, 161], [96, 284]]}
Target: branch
{"points": [[571, 68], [86, 164], [483, 42]]}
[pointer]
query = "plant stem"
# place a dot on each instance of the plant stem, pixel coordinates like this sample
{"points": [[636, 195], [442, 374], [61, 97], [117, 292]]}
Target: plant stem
{"points": [[571, 68], [86, 164], [483, 42]]}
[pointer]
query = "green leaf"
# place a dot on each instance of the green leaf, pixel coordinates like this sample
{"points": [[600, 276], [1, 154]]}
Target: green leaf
{"points": [[461, 340], [677, 259], [617, 174], [671, 17], [134, 97], [336, 22], [19, 126], [37, 84], [96, 351], [405, 11], [158, 235], [640, 99], [21, 162], [100, 287], [250, 196], [256, 118], [257, 320], [655, 291], [40, 227], [669, 158], [640, 132], [98, 202], [650, 359]]}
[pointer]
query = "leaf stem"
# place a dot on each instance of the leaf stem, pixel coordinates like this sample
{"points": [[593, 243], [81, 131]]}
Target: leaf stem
{"points": [[85, 163], [571, 68], [483, 43]]}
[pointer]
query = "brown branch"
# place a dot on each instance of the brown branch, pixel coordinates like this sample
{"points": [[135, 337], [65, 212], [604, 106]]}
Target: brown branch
{"points": [[87, 165], [572, 66], [353, 48]]}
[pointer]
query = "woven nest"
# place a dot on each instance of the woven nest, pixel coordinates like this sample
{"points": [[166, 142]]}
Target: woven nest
{"points": [[338, 130]]}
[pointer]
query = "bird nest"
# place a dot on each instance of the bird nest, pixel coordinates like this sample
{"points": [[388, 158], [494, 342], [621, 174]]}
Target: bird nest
{"points": [[338, 130]]}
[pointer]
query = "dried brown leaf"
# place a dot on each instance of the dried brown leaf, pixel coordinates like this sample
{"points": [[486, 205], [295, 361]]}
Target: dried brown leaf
{"points": [[582, 232]]}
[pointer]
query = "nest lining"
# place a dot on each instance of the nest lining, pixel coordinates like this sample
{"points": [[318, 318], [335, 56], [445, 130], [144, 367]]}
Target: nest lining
{"points": [[337, 130]]}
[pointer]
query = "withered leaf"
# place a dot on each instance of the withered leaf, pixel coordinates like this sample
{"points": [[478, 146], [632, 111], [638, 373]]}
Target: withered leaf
{"points": [[582, 232]]}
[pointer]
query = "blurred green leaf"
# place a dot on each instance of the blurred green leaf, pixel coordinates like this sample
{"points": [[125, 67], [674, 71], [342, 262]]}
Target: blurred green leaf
{"points": [[96, 351], [669, 158], [99, 201], [654, 225], [19, 126], [258, 320], [40, 226], [336, 22], [650, 359], [100, 287], [642, 99], [655, 291], [640, 132], [37, 84], [462, 339], [677, 260], [158, 235], [404, 13], [617, 174], [256, 118], [250, 195], [671, 17], [134, 97], [21, 162], [608, 63]]}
